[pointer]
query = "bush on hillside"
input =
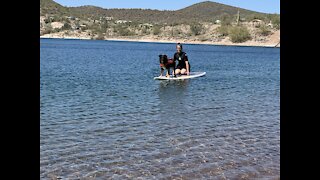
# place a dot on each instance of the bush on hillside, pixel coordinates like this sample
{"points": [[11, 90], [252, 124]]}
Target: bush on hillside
{"points": [[239, 34], [276, 21], [99, 37], [226, 20], [66, 26], [196, 28], [156, 30], [122, 30], [223, 30], [264, 31]]}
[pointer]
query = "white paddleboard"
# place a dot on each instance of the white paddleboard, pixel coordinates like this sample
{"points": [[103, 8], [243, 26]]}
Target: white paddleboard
{"points": [[191, 75]]}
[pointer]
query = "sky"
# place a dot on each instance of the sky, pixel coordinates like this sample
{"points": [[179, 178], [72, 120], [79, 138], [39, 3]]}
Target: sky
{"points": [[265, 6]]}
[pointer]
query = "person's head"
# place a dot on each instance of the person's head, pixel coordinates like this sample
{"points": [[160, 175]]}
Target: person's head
{"points": [[179, 47]]}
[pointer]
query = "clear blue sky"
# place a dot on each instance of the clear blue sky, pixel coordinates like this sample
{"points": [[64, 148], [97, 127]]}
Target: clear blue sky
{"points": [[266, 6]]}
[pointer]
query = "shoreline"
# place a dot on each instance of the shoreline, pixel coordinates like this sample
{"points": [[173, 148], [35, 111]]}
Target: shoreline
{"points": [[145, 40]]}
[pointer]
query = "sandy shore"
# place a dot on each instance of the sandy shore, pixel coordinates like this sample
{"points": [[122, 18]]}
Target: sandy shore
{"points": [[158, 40], [223, 43]]}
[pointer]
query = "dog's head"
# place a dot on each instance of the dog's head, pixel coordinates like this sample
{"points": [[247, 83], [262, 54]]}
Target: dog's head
{"points": [[163, 59]]}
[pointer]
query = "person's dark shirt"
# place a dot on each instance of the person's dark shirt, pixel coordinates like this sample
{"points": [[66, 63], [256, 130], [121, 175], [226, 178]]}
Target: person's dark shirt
{"points": [[181, 58]]}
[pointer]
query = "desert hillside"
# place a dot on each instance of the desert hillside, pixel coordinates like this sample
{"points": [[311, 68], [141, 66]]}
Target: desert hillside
{"points": [[206, 22]]}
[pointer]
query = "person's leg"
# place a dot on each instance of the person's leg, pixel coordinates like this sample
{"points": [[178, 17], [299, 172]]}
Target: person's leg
{"points": [[183, 71], [178, 71]]}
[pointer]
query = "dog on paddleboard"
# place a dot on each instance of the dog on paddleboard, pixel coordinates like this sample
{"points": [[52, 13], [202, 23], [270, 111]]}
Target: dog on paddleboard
{"points": [[167, 64]]}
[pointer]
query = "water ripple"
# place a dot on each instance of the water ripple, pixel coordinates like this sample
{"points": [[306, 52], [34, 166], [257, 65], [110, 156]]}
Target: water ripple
{"points": [[102, 119]]}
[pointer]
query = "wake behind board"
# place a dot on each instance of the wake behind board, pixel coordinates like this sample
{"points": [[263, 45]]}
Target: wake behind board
{"points": [[179, 77]]}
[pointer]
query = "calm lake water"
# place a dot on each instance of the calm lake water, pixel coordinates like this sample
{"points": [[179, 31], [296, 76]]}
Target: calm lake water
{"points": [[102, 116]]}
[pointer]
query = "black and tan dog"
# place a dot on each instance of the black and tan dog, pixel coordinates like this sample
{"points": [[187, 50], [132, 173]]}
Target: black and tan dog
{"points": [[166, 64]]}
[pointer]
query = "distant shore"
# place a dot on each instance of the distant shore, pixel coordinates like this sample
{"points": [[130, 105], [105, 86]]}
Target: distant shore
{"points": [[223, 43]]}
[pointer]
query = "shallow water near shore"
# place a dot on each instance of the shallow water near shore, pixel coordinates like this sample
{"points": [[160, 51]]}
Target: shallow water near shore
{"points": [[103, 116]]}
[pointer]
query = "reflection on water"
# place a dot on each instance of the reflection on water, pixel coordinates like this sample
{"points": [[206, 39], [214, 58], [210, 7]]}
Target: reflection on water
{"points": [[172, 95], [174, 102]]}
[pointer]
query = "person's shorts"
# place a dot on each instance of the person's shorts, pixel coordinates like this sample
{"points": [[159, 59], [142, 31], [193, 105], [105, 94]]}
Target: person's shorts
{"points": [[179, 66]]}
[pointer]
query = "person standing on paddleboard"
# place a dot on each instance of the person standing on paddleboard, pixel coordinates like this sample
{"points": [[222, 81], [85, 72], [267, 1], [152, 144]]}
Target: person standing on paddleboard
{"points": [[183, 66]]}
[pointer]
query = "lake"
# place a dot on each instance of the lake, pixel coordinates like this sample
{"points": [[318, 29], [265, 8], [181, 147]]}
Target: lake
{"points": [[103, 116]]}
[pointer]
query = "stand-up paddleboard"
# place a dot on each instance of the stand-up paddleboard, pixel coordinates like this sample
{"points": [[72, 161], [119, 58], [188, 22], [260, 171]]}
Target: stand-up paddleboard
{"points": [[179, 77]]}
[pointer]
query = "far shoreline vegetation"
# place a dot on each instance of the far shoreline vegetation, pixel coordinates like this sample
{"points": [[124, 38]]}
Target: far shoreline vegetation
{"points": [[201, 23], [162, 42]]}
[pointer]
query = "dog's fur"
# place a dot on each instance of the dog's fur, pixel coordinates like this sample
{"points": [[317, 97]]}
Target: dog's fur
{"points": [[167, 64]]}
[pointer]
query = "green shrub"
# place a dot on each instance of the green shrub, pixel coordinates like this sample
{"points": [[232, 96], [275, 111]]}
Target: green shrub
{"points": [[55, 30], [104, 26], [99, 37], [204, 39], [83, 28], [66, 26], [177, 32], [257, 16], [47, 31], [144, 30], [96, 29], [174, 24], [239, 34], [223, 30], [189, 34], [196, 28], [47, 20], [55, 18], [264, 31], [226, 20], [156, 30], [276, 21], [126, 32]]}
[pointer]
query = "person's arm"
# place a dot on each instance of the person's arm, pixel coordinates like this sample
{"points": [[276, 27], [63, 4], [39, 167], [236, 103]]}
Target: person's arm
{"points": [[187, 66], [187, 63]]}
